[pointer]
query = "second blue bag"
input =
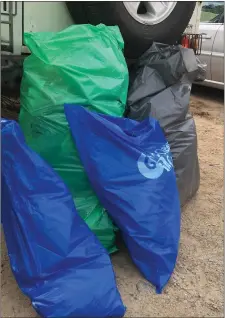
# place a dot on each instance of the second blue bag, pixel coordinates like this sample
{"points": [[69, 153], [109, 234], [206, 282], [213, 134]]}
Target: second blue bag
{"points": [[130, 167]]}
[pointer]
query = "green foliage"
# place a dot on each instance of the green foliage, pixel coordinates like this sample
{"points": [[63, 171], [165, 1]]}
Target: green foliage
{"points": [[207, 16], [213, 8]]}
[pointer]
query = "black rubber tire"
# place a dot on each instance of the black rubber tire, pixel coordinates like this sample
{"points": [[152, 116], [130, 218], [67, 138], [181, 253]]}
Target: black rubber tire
{"points": [[137, 37]]}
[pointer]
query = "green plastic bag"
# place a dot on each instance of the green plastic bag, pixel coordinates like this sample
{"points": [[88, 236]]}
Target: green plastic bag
{"points": [[82, 64]]}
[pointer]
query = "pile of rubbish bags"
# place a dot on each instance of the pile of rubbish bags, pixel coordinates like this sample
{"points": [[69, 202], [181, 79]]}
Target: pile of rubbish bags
{"points": [[90, 157]]}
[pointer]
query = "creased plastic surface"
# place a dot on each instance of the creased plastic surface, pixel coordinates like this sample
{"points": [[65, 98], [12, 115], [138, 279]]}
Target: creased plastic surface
{"points": [[81, 64], [56, 259], [160, 87], [130, 168]]}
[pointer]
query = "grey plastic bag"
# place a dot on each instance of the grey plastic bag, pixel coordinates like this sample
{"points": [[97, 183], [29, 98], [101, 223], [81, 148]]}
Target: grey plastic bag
{"points": [[160, 86]]}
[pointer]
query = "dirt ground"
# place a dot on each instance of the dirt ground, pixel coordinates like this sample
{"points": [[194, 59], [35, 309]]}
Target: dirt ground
{"points": [[196, 287]]}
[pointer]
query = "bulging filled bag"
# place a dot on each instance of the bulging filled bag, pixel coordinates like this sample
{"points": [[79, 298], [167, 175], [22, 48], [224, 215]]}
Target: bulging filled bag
{"points": [[130, 168], [160, 87], [82, 64], [56, 259]]}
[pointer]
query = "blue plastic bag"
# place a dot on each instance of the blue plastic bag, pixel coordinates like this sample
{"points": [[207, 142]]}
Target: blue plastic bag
{"points": [[130, 168], [56, 259]]}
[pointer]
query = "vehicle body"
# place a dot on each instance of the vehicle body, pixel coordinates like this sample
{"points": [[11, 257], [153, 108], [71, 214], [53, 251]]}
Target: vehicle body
{"points": [[212, 53], [139, 29], [30, 17], [45, 16]]}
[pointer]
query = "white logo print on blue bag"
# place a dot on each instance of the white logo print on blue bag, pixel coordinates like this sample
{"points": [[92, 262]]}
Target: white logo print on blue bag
{"points": [[152, 166]]}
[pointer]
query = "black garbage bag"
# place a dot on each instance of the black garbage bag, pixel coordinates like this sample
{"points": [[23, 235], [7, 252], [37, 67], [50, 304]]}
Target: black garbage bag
{"points": [[160, 86]]}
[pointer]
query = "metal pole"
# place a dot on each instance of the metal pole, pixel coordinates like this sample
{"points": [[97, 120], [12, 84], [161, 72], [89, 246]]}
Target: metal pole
{"points": [[11, 25]]}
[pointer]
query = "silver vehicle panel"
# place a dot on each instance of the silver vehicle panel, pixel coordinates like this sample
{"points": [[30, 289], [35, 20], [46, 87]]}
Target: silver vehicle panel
{"points": [[213, 50]]}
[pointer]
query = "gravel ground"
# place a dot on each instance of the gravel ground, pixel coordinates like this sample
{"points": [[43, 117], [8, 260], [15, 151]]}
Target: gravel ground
{"points": [[196, 287]]}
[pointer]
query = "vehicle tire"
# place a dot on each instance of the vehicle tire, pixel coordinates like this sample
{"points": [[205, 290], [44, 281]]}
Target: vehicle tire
{"points": [[137, 36]]}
